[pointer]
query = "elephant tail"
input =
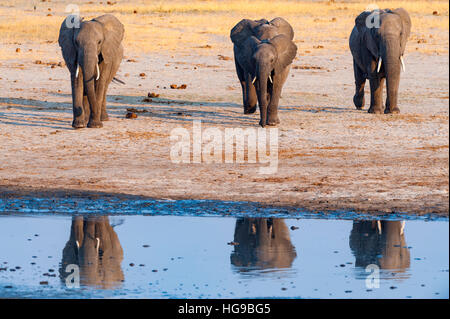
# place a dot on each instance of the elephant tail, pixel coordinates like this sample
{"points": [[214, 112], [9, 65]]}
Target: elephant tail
{"points": [[116, 80]]}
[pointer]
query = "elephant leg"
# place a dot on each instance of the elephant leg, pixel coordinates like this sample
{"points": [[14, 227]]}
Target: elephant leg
{"points": [[241, 75], [87, 108], [277, 86], [389, 108], [360, 82], [251, 98], [109, 73], [376, 95], [104, 116], [100, 90], [272, 110], [79, 120]]}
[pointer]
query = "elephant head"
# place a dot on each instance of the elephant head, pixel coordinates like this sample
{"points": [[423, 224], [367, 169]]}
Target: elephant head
{"points": [[94, 42], [94, 246], [263, 243], [385, 43], [382, 243]]}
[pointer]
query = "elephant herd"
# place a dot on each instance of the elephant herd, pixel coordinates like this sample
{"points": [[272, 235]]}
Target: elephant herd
{"points": [[263, 53]]}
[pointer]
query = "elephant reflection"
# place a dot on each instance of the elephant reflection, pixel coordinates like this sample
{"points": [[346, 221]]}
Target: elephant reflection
{"points": [[93, 246], [381, 243], [263, 243]]}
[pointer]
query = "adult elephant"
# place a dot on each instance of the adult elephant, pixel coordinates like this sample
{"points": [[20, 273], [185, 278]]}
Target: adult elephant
{"points": [[263, 53], [377, 43], [94, 246], [92, 52]]}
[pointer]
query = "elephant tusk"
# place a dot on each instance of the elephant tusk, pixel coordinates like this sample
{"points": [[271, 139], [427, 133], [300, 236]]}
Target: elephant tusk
{"points": [[98, 73], [403, 63], [379, 64], [379, 227], [76, 73], [98, 243], [402, 228], [253, 82], [78, 244], [270, 79]]}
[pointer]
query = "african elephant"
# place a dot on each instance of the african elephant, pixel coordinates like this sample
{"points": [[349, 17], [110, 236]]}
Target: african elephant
{"points": [[381, 243], [95, 49], [94, 246], [377, 43], [263, 243], [263, 53]]}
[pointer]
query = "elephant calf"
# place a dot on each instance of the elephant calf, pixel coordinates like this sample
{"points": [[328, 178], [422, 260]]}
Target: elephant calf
{"points": [[92, 51], [263, 53], [377, 43]]}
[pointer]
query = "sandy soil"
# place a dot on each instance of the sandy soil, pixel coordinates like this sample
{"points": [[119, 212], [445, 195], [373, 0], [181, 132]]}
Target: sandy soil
{"points": [[331, 156]]}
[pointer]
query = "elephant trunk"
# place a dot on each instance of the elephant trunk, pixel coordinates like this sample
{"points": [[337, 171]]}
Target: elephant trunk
{"points": [[263, 74], [91, 72], [392, 61]]}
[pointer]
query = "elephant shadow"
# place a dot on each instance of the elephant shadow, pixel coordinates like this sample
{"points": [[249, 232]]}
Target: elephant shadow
{"points": [[381, 243], [262, 244], [184, 111], [172, 110], [33, 116], [95, 248]]}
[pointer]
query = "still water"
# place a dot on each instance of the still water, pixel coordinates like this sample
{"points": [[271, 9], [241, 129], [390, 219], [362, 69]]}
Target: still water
{"points": [[162, 256]]}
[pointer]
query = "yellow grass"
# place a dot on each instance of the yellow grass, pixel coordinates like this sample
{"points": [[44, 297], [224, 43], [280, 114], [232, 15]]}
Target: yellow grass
{"points": [[187, 25]]}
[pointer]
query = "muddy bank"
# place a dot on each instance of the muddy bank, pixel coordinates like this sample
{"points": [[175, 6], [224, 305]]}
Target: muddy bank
{"points": [[66, 201]]}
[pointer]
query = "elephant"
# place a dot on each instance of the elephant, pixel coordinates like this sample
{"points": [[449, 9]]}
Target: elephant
{"points": [[381, 243], [95, 49], [377, 43], [94, 246], [263, 243], [263, 53]]}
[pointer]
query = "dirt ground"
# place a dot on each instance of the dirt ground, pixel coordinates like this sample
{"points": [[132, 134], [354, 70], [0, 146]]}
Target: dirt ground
{"points": [[331, 156]]}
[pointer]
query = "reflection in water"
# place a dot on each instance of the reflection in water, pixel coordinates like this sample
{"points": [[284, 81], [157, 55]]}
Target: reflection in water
{"points": [[263, 243], [381, 243], [94, 246]]}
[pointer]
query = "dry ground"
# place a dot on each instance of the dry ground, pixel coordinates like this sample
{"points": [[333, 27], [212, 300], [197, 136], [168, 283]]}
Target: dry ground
{"points": [[331, 156]]}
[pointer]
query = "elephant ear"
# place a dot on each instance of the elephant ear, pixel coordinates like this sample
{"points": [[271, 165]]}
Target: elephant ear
{"points": [[369, 38], [113, 32], [286, 50], [244, 29], [368, 34], [406, 27], [283, 27], [360, 21], [66, 42]]}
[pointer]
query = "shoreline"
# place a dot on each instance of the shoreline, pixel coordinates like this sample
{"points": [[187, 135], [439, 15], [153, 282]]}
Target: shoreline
{"points": [[321, 208]]}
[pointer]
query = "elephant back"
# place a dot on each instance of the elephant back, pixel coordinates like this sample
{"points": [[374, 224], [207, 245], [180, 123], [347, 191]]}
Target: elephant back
{"points": [[283, 27]]}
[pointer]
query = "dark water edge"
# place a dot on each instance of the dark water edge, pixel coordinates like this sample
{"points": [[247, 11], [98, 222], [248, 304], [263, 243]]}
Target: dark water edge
{"points": [[136, 205]]}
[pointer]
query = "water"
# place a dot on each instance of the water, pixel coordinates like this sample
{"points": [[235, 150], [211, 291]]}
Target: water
{"points": [[218, 255]]}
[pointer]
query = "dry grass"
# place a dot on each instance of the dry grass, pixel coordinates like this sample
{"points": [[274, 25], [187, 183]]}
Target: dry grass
{"points": [[187, 26]]}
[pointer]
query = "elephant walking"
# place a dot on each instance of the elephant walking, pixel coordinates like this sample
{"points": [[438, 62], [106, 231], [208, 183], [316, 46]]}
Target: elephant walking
{"points": [[92, 52], [263, 53], [377, 43]]}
